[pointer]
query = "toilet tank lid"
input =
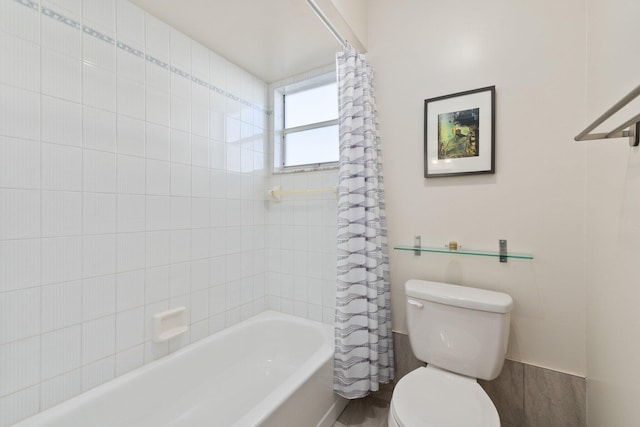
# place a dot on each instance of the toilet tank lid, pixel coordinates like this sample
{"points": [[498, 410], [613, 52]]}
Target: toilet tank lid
{"points": [[459, 296]]}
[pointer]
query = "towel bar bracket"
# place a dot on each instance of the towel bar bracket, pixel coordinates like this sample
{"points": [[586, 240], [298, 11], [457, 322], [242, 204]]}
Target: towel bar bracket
{"points": [[634, 135]]}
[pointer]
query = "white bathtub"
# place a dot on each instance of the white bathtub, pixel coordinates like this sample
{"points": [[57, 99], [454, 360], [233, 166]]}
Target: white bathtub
{"points": [[270, 370]]}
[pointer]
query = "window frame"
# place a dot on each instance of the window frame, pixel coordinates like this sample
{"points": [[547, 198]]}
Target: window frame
{"points": [[280, 131]]}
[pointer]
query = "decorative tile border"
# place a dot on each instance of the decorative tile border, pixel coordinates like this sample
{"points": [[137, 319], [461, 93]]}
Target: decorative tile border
{"points": [[93, 33], [130, 50], [30, 4], [157, 62], [55, 15], [98, 35]]}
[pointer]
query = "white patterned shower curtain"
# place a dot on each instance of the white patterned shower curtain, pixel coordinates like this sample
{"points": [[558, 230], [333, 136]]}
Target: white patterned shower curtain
{"points": [[364, 345]]}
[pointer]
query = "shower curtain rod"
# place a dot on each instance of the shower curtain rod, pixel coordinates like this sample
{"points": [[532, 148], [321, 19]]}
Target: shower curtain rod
{"points": [[634, 123], [312, 4]]}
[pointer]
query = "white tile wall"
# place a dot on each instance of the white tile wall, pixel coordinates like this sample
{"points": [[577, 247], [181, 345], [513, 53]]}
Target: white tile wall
{"points": [[301, 247], [126, 187]]}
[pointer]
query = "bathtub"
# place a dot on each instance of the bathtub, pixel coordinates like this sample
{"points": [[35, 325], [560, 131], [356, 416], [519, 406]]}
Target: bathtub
{"points": [[270, 370]]}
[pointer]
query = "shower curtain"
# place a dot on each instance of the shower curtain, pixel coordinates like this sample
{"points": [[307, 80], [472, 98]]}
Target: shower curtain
{"points": [[364, 344]]}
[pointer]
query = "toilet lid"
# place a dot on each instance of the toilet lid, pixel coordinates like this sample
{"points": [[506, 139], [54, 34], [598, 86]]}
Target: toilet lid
{"points": [[431, 397]]}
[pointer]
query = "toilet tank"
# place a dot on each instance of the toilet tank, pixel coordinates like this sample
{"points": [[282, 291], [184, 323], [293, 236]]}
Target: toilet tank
{"points": [[461, 329]]}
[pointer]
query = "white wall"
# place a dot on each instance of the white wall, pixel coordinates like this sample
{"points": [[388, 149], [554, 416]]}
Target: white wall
{"points": [[129, 184], [534, 53], [613, 234], [355, 13]]}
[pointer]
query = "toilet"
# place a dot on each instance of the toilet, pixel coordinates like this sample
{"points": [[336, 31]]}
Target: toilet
{"points": [[462, 334]]}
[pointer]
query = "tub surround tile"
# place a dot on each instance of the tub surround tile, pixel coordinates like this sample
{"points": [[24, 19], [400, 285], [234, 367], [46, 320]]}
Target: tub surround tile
{"points": [[19, 314], [129, 360], [21, 266], [63, 349], [21, 21], [60, 388], [61, 122], [61, 167], [19, 405], [19, 365], [98, 373], [19, 163], [20, 117], [61, 213], [112, 167], [61, 76], [98, 129]]}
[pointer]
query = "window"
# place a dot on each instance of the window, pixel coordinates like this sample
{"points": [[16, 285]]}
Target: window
{"points": [[306, 124]]}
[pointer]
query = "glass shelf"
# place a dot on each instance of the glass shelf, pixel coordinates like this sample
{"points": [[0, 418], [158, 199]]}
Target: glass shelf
{"points": [[444, 250]]}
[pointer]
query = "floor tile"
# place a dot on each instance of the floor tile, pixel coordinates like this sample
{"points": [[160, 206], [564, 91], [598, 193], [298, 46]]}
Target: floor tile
{"points": [[370, 411]]}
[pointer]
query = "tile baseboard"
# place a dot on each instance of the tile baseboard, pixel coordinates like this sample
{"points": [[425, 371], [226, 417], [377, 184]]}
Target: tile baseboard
{"points": [[524, 395]]}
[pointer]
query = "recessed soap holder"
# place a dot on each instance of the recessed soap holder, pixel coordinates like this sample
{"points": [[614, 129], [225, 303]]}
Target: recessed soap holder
{"points": [[169, 324]]}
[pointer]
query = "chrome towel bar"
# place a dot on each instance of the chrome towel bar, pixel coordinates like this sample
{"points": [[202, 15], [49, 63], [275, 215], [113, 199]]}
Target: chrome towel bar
{"points": [[632, 125]]}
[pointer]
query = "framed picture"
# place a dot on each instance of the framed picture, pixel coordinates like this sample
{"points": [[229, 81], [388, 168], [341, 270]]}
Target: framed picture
{"points": [[459, 133]]}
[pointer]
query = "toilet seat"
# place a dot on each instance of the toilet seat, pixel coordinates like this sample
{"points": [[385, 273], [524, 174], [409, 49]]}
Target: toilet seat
{"points": [[432, 397]]}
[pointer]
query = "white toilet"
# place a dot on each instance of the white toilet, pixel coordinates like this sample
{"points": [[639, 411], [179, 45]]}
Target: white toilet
{"points": [[462, 334]]}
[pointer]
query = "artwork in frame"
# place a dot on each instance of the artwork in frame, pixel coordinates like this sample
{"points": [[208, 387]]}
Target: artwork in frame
{"points": [[459, 133]]}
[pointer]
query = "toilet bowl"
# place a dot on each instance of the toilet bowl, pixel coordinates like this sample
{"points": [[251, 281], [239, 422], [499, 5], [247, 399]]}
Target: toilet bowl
{"points": [[431, 397], [462, 334]]}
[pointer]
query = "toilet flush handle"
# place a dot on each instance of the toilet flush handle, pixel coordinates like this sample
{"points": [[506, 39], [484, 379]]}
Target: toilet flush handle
{"points": [[415, 303]]}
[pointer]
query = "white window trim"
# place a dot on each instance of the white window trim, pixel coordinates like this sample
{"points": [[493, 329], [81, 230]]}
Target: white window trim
{"points": [[278, 91]]}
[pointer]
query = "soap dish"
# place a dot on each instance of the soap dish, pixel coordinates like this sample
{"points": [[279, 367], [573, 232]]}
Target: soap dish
{"points": [[169, 324]]}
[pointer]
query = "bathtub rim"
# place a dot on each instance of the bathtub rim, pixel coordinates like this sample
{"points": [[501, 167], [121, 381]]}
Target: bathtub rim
{"points": [[261, 412], [253, 416]]}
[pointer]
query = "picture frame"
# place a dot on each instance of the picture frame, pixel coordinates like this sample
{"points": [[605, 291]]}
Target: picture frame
{"points": [[459, 133]]}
